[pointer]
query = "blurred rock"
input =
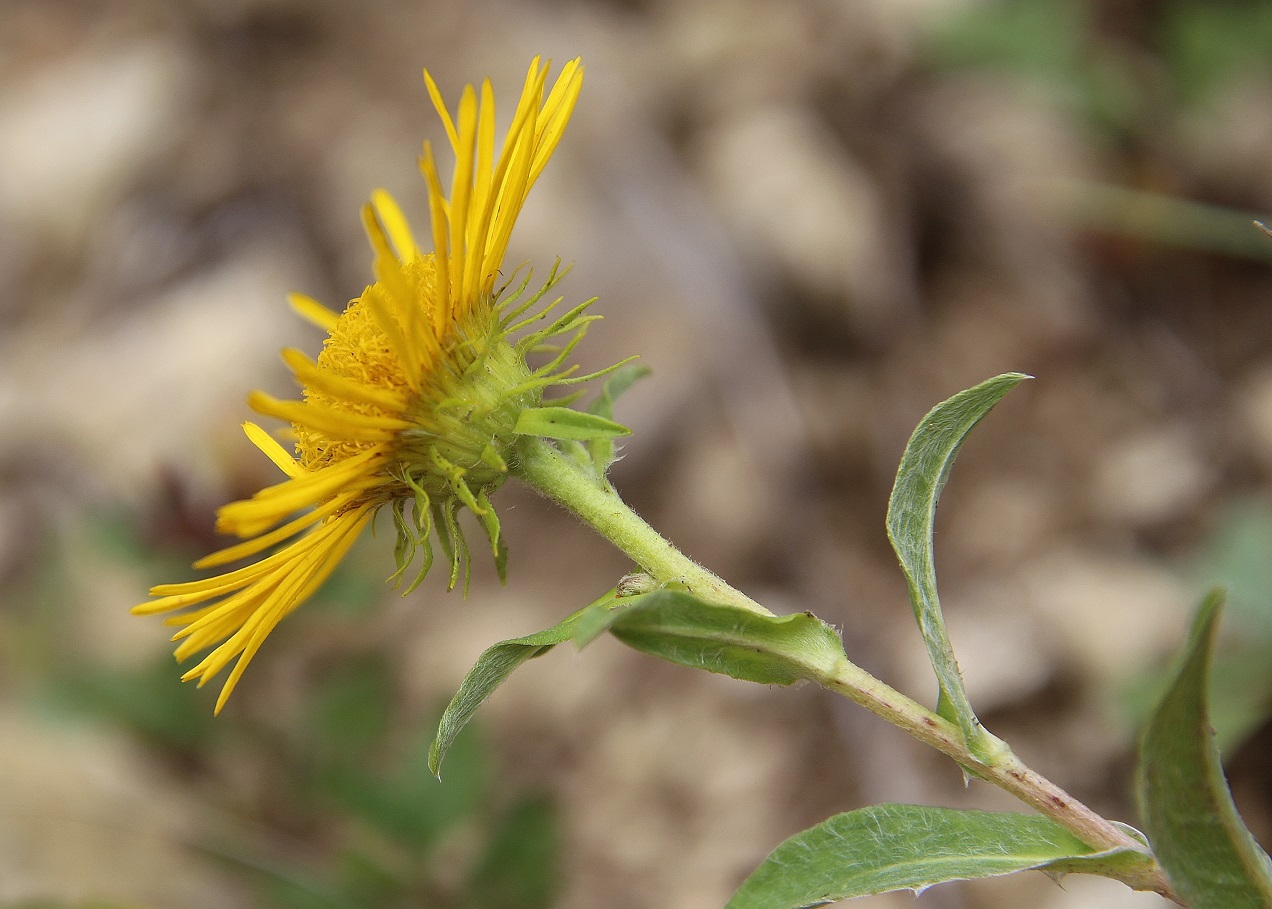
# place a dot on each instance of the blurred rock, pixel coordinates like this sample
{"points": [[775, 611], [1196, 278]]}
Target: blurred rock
{"points": [[743, 53], [1230, 137], [837, 407], [1254, 403], [730, 505], [1013, 151], [1151, 478], [686, 783], [1080, 891], [87, 819], [76, 130], [800, 203], [1000, 522], [1004, 655], [1108, 617], [116, 404]]}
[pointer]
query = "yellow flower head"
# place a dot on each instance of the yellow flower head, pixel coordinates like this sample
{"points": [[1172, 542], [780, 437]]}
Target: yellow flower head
{"points": [[415, 398]]}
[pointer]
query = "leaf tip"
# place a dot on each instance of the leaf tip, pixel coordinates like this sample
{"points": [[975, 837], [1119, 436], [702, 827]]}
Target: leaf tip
{"points": [[1210, 610], [1012, 379]]}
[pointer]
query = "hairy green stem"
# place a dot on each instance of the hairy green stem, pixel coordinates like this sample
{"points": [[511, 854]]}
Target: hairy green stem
{"points": [[1007, 772], [596, 502]]}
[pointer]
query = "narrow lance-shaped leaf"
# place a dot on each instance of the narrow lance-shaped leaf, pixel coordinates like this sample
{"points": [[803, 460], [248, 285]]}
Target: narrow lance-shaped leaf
{"points": [[925, 467], [1208, 854], [495, 664], [566, 423], [910, 847]]}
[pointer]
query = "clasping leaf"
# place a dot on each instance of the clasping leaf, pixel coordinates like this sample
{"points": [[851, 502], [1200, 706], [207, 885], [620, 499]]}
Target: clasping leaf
{"points": [[674, 625], [682, 628]]}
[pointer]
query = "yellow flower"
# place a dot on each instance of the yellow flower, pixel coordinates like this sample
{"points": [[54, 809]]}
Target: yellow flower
{"points": [[415, 397]]}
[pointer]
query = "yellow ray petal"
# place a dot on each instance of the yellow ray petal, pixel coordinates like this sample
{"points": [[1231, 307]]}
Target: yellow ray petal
{"points": [[390, 215], [442, 305], [442, 112], [313, 311], [311, 375], [393, 301], [508, 206], [556, 115], [176, 596], [253, 517], [269, 506], [462, 190], [208, 627], [306, 584], [272, 450], [266, 540], [339, 424]]}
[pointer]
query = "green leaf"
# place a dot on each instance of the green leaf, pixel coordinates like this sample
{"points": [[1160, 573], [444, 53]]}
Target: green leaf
{"points": [[1241, 669], [521, 867], [619, 381], [495, 664], [671, 624], [925, 467], [1207, 47], [350, 710], [1208, 854], [566, 423], [407, 804], [903, 847], [364, 879], [150, 702], [623, 378], [680, 627]]}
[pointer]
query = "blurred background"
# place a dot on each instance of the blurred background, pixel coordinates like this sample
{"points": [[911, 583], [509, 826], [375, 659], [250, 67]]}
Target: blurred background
{"points": [[813, 220]]}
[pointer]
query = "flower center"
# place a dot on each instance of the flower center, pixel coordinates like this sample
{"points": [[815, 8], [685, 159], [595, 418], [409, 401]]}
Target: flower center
{"points": [[462, 414], [357, 351]]}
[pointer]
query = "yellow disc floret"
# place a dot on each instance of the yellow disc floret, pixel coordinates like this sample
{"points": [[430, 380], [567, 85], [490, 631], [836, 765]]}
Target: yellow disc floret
{"points": [[357, 373]]}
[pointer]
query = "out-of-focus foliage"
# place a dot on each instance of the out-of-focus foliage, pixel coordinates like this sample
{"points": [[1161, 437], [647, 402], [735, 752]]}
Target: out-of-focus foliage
{"points": [[1236, 556], [342, 811], [1051, 44], [1207, 45], [1200, 49]]}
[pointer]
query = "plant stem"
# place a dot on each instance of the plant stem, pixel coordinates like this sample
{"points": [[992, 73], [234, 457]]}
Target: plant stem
{"points": [[595, 501], [1007, 772]]}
